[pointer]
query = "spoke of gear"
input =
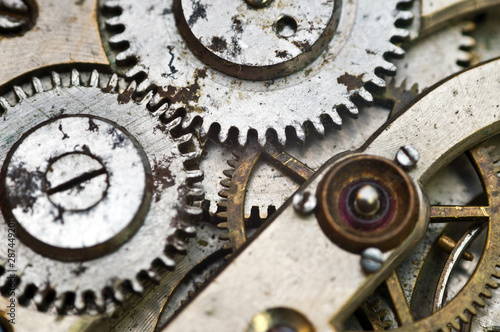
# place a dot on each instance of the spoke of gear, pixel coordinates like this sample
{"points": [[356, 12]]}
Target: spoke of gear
{"points": [[232, 205], [180, 59], [96, 187], [478, 288]]}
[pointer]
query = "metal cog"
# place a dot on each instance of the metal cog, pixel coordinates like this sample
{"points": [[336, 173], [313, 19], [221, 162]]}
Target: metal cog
{"points": [[52, 271], [375, 316], [350, 61], [478, 288]]}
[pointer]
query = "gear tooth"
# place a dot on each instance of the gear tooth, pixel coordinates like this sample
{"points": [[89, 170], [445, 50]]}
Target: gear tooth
{"points": [[223, 134], [174, 123], [467, 42], [144, 85], [193, 211], [38, 299], [191, 156], [20, 93], [100, 301], [299, 131], [123, 56], [225, 183], [492, 284], [227, 246], [395, 50], [472, 310], [480, 302], [464, 318], [222, 214], [195, 175], [318, 126], [75, 78], [352, 109], [136, 286], [37, 84], [110, 4], [223, 237], [60, 303], [229, 173], [179, 245], [464, 57], [367, 97], [335, 117], [188, 120], [113, 82], [116, 39], [4, 104], [262, 214], [401, 33], [147, 98], [404, 15], [56, 79], [189, 229], [388, 67], [223, 204], [94, 79], [455, 324], [167, 260], [196, 193], [153, 275], [114, 21], [487, 293], [132, 87], [223, 225], [79, 302], [118, 295], [233, 163], [155, 99], [378, 81], [184, 139]]}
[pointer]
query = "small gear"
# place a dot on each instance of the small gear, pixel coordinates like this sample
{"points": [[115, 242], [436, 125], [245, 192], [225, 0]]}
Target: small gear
{"points": [[95, 187], [295, 89]]}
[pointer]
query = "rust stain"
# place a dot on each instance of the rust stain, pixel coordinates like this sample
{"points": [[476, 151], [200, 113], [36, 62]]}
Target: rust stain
{"points": [[162, 177], [303, 46], [184, 95], [124, 98], [351, 82], [281, 54], [218, 44]]}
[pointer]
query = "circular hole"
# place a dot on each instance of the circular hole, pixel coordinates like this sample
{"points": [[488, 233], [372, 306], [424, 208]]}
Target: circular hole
{"points": [[286, 26], [280, 320]]}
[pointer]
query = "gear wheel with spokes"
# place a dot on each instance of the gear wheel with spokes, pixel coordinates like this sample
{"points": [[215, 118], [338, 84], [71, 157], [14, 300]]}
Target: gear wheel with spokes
{"points": [[259, 69], [95, 187]]}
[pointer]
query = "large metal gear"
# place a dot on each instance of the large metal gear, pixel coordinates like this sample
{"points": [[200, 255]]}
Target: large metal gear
{"points": [[107, 194], [164, 54]]}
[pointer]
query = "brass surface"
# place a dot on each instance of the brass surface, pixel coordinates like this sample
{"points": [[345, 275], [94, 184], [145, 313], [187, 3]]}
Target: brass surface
{"points": [[65, 33], [369, 168]]}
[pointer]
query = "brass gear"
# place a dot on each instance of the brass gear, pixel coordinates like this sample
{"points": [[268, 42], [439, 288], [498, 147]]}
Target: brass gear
{"points": [[473, 294]]}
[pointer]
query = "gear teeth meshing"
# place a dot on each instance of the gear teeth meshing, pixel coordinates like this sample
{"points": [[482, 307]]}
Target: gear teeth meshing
{"points": [[175, 77], [185, 147]]}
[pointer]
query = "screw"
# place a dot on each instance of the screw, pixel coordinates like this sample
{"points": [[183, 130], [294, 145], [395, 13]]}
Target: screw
{"points": [[407, 157], [259, 3], [304, 202], [371, 260]]}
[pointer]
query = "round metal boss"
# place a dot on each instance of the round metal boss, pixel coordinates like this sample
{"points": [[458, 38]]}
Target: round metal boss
{"points": [[367, 201], [76, 177], [257, 43]]}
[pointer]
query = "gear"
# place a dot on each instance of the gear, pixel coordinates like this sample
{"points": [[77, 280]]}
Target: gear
{"points": [[101, 199], [362, 39], [479, 286]]}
